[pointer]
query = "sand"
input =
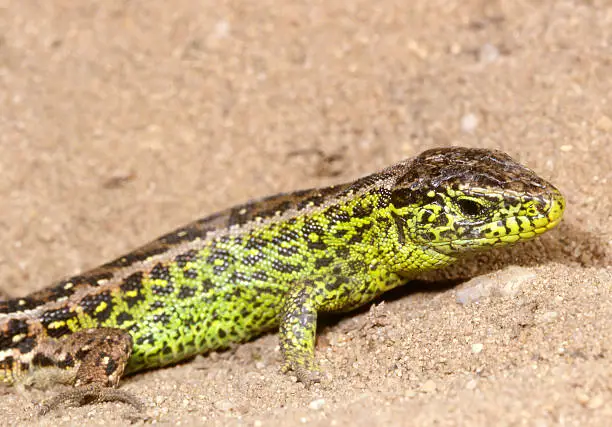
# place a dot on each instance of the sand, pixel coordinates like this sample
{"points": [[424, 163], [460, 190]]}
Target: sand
{"points": [[122, 120]]}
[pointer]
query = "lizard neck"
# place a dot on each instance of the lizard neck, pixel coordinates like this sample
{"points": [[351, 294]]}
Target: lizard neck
{"points": [[403, 256]]}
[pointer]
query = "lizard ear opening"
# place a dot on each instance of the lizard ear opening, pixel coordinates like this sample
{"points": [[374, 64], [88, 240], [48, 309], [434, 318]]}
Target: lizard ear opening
{"points": [[402, 197]]}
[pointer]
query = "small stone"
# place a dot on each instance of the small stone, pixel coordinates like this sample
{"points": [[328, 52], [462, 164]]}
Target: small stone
{"points": [[549, 316], [317, 404], [595, 402], [472, 292], [507, 283], [471, 384], [488, 53], [224, 405], [429, 386], [566, 148], [513, 279], [604, 123], [582, 398], [477, 348], [222, 29], [469, 123]]}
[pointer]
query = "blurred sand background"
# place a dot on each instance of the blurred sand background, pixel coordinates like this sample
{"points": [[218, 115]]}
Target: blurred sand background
{"points": [[121, 120]]}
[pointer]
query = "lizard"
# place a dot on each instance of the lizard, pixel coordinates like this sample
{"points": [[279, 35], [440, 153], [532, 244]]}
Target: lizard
{"points": [[276, 262]]}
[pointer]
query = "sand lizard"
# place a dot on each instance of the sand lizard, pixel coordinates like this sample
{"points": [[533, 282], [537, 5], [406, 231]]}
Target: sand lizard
{"points": [[272, 263]]}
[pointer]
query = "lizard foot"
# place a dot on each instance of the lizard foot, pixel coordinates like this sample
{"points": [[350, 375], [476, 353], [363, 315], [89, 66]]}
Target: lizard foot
{"points": [[85, 395], [307, 375]]}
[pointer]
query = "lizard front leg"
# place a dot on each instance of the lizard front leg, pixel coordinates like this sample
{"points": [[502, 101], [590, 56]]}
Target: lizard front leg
{"points": [[297, 332]]}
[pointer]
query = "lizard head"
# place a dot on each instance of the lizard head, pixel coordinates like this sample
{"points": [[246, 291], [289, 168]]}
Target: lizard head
{"points": [[457, 200]]}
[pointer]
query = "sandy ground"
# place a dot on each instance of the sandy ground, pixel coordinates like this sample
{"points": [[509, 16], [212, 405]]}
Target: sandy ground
{"points": [[121, 120]]}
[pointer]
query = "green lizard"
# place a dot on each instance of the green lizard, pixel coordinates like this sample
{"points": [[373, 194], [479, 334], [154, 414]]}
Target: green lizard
{"points": [[272, 263]]}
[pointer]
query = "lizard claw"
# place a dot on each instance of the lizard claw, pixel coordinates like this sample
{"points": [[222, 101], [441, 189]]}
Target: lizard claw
{"points": [[306, 375], [80, 396]]}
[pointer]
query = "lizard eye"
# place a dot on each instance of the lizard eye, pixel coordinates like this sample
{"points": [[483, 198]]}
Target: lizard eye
{"points": [[469, 207]]}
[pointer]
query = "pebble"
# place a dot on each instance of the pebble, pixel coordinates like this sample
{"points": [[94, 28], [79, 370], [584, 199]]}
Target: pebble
{"points": [[477, 348], [429, 386], [604, 123], [469, 123], [549, 316], [488, 53], [317, 404], [471, 384], [222, 29], [596, 402], [582, 398], [507, 282], [224, 405]]}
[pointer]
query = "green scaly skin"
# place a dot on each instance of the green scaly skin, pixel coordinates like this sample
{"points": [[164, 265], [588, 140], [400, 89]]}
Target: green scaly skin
{"points": [[283, 260]]}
